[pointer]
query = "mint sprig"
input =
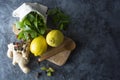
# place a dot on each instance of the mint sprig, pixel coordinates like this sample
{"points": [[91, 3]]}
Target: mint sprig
{"points": [[58, 18]]}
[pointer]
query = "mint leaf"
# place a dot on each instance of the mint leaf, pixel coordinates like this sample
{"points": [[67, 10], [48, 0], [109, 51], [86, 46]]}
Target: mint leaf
{"points": [[19, 24]]}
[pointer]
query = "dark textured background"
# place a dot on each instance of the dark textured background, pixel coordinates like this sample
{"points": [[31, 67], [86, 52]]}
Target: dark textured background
{"points": [[95, 28]]}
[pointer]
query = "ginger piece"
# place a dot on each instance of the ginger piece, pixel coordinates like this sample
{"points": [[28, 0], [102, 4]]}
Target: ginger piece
{"points": [[17, 57], [22, 62]]}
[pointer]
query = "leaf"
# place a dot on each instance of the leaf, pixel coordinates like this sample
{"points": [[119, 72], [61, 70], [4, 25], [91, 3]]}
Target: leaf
{"points": [[43, 68], [61, 27], [51, 69], [33, 34], [27, 22], [36, 24], [49, 74], [21, 35], [19, 24], [31, 17], [43, 29]]}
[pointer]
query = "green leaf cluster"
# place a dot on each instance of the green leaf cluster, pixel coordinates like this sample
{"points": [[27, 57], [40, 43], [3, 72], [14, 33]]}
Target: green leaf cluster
{"points": [[49, 70], [58, 18], [34, 24], [31, 26]]}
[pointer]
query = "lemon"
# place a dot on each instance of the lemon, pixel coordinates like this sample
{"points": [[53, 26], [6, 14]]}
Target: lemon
{"points": [[54, 38], [38, 46]]}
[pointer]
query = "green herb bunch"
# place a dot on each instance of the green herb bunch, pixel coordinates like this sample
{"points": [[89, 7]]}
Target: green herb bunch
{"points": [[31, 26], [58, 18]]}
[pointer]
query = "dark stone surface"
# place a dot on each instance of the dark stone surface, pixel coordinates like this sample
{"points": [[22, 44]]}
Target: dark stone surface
{"points": [[95, 28]]}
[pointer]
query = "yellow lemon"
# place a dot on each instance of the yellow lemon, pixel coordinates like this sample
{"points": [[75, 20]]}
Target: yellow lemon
{"points": [[38, 46], [54, 38]]}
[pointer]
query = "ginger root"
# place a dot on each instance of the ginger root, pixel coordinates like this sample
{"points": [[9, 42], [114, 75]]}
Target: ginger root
{"points": [[16, 53]]}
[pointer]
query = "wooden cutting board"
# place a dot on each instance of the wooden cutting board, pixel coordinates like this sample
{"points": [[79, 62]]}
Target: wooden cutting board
{"points": [[59, 59]]}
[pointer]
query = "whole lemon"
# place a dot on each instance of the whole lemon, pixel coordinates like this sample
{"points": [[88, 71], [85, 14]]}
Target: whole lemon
{"points": [[38, 46], [54, 38]]}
